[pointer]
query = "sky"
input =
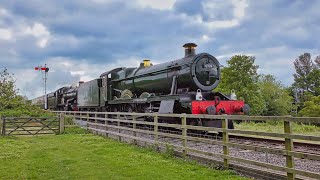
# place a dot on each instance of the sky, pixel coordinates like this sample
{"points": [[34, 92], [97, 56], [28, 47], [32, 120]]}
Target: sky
{"points": [[81, 39]]}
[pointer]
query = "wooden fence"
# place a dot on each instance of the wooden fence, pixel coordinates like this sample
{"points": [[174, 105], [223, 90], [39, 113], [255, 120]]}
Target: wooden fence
{"points": [[31, 125], [114, 124]]}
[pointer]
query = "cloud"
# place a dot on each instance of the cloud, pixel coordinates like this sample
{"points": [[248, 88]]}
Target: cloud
{"points": [[40, 32], [5, 34], [156, 4], [3, 12], [231, 13], [215, 15]]}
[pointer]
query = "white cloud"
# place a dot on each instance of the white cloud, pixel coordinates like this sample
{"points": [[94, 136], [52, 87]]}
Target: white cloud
{"points": [[5, 34], [42, 42], [205, 38], [224, 57], [21, 28], [215, 9], [154, 4], [4, 12], [102, 1], [39, 31], [239, 8], [157, 4], [25, 77]]}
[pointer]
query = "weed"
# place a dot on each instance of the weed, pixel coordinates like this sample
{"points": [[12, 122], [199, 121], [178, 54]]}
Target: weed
{"points": [[169, 151]]}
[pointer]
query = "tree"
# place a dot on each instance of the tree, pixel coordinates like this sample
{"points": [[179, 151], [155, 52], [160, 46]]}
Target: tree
{"points": [[311, 108], [303, 66], [8, 91], [277, 99], [12, 104], [241, 75], [306, 78]]}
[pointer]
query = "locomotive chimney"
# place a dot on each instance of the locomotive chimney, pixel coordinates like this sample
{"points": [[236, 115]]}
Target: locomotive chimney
{"points": [[190, 49], [80, 82]]}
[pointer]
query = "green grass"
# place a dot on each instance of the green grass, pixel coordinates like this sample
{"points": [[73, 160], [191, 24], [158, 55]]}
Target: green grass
{"points": [[79, 155], [278, 128]]}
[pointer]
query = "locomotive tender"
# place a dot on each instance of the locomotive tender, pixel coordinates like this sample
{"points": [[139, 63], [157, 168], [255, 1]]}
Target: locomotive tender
{"points": [[180, 86], [63, 99]]}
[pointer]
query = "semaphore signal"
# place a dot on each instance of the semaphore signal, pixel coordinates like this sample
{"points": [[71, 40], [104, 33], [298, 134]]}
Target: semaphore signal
{"points": [[44, 69]]}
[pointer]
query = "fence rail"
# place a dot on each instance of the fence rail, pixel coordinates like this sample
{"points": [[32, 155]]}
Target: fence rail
{"points": [[114, 123]]}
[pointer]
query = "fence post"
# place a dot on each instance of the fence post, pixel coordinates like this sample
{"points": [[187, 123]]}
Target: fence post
{"points": [[118, 123], [106, 124], [225, 137], [184, 134], [61, 123], [156, 135], [3, 126], [289, 147], [96, 121], [88, 121], [134, 126]]}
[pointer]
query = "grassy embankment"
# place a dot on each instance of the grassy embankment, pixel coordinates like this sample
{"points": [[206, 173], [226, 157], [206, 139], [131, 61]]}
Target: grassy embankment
{"points": [[78, 155]]}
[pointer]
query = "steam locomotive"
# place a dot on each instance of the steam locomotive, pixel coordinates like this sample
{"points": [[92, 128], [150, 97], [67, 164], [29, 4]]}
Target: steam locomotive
{"points": [[180, 86]]}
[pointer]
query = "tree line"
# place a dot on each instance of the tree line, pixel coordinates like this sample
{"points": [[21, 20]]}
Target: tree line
{"points": [[266, 95]]}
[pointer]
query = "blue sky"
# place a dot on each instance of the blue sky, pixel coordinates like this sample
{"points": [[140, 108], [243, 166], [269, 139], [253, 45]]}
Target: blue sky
{"points": [[80, 39]]}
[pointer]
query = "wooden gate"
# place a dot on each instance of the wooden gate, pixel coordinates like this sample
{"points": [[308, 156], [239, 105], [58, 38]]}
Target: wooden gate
{"points": [[31, 125]]}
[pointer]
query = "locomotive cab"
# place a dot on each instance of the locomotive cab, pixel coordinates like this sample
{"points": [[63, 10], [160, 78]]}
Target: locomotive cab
{"points": [[106, 89]]}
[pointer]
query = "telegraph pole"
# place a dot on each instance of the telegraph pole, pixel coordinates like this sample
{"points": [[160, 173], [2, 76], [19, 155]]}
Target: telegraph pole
{"points": [[44, 69]]}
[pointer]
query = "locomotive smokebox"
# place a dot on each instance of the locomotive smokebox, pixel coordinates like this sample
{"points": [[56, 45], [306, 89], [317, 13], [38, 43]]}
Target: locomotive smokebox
{"points": [[190, 49]]}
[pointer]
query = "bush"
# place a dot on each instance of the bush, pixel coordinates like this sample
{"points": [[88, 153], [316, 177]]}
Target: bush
{"points": [[311, 108], [26, 111]]}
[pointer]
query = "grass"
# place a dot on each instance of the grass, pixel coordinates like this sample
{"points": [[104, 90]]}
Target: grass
{"points": [[79, 155], [277, 127]]}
